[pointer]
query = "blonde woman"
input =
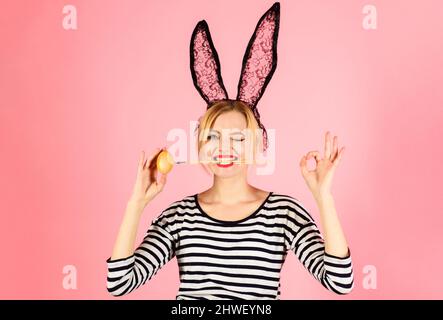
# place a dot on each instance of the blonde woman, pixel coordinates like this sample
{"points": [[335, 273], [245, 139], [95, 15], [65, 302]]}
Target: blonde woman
{"points": [[232, 239]]}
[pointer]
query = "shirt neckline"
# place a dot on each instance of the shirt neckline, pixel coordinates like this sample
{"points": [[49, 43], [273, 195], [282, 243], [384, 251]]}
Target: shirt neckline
{"points": [[231, 222]]}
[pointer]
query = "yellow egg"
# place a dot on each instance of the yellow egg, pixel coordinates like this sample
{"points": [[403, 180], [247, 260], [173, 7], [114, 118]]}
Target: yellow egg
{"points": [[165, 162]]}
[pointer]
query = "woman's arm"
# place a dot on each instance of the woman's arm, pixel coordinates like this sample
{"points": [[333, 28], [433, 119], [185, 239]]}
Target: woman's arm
{"points": [[128, 269], [319, 183], [146, 188], [334, 272], [130, 272], [327, 257], [334, 237], [124, 244]]}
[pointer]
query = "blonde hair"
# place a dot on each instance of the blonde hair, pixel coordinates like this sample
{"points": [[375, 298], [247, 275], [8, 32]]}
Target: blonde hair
{"points": [[207, 121]]}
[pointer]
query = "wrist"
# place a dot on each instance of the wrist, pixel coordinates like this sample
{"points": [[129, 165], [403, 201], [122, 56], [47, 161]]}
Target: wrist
{"points": [[135, 205], [323, 197]]}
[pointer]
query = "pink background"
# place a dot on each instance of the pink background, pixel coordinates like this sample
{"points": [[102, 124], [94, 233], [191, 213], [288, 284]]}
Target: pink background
{"points": [[78, 106]]}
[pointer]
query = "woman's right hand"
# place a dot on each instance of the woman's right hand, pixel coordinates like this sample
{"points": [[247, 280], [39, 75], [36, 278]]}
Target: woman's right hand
{"points": [[147, 186]]}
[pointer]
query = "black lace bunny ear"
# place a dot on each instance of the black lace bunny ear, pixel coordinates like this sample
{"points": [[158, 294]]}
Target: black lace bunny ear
{"points": [[205, 65], [260, 59]]}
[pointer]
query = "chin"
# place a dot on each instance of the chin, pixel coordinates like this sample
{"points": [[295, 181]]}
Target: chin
{"points": [[232, 171]]}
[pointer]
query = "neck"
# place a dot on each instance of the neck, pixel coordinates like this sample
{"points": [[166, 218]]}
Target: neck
{"points": [[230, 190]]}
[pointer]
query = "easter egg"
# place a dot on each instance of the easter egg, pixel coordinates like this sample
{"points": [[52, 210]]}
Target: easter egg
{"points": [[165, 162]]}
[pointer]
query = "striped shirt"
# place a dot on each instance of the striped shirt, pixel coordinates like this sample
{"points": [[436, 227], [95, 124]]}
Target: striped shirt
{"points": [[240, 259]]}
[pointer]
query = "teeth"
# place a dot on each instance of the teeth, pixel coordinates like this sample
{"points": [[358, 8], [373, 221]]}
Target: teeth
{"points": [[224, 161]]}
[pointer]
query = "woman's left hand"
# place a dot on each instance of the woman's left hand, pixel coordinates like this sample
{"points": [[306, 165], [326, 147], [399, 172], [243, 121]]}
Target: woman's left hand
{"points": [[320, 178]]}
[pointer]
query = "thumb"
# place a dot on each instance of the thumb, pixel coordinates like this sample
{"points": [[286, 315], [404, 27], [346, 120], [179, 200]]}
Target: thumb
{"points": [[162, 181], [304, 169]]}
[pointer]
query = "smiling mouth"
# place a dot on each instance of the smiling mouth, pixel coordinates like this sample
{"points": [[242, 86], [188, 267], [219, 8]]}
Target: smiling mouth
{"points": [[222, 161]]}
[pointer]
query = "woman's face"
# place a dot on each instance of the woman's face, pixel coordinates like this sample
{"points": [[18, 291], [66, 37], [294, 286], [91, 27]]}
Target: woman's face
{"points": [[228, 145]]}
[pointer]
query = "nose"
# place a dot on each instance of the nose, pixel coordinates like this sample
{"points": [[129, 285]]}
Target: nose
{"points": [[225, 146]]}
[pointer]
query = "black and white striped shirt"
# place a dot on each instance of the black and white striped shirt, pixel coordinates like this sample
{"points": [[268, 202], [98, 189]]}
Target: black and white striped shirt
{"points": [[231, 259]]}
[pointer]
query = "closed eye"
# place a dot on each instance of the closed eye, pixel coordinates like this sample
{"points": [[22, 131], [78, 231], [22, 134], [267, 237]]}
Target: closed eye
{"points": [[214, 137]]}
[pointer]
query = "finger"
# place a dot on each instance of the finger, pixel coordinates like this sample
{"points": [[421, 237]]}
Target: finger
{"points": [[327, 145], [339, 156], [303, 166], [162, 181], [140, 160], [151, 157], [153, 174], [316, 156], [334, 148], [313, 154]]}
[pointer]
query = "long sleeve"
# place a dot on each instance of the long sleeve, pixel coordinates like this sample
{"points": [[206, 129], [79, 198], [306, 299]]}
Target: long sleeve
{"points": [[127, 274], [334, 273]]}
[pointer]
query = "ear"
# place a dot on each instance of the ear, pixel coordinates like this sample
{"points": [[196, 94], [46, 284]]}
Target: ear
{"points": [[205, 65], [260, 59]]}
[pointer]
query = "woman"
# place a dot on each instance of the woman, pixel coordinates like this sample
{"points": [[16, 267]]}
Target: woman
{"points": [[231, 240]]}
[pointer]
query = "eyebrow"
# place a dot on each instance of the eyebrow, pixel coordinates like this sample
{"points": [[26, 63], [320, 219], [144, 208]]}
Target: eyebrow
{"points": [[232, 133]]}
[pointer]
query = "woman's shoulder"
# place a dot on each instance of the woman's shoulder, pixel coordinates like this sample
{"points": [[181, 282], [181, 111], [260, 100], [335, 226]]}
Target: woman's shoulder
{"points": [[283, 197], [293, 205], [183, 202], [180, 205], [174, 211]]}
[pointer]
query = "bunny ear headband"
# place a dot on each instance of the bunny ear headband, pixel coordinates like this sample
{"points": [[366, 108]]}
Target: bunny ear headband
{"points": [[259, 63]]}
